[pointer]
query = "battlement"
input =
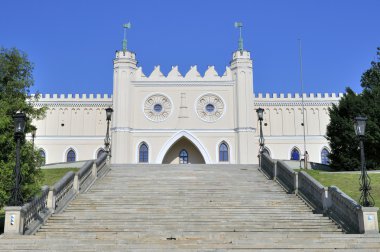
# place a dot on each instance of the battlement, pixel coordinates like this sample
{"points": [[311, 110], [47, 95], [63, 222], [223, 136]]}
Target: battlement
{"points": [[175, 75], [297, 96], [259, 96], [74, 97]]}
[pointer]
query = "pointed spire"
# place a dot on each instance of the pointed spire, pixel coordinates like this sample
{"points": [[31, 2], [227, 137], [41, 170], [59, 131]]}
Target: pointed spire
{"points": [[126, 26], [240, 25]]}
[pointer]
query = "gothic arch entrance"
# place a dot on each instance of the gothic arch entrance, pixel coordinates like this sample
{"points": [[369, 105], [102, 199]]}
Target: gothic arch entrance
{"points": [[183, 151], [189, 140]]}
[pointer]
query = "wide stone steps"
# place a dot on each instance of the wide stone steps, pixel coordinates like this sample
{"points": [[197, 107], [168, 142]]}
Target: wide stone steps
{"points": [[118, 243], [188, 208]]}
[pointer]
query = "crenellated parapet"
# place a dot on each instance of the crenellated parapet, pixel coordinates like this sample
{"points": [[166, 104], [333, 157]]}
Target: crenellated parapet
{"points": [[310, 99], [175, 75], [260, 98], [73, 100], [75, 96], [307, 96]]}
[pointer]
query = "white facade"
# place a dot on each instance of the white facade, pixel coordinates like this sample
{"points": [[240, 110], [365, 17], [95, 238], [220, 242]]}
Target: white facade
{"points": [[192, 112]]}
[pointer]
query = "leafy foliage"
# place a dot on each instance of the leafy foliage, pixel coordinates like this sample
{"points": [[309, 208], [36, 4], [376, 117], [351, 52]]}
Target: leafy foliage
{"points": [[15, 81], [345, 154]]}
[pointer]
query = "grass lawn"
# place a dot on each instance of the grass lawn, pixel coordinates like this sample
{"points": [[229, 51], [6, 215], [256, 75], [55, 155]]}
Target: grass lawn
{"points": [[349, 184], [50, 177]]}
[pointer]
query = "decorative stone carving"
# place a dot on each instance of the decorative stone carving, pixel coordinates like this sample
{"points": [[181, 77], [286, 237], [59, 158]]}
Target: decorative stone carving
{"points": [[157, 107], [210, 107]]}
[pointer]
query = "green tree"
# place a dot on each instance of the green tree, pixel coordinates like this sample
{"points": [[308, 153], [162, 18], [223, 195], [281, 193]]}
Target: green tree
{"points": [[345, 154], [15, 81]]}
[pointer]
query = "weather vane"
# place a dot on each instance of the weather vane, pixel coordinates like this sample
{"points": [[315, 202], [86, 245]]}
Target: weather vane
{"points": [[126, 26], [240, 25]]}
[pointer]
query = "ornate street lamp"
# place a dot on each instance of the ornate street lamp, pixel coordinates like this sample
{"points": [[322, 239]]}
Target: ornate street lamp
{"points": [[107, 139], [19, 123], [366, 199], [260, 116]]}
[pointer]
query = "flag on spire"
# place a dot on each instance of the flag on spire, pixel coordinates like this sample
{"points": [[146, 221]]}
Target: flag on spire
{"points": [[126, 26], [240, 25]]}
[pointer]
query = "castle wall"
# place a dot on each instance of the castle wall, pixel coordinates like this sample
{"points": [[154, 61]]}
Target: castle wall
{"points": [[164, 110], [72, 122], [86, 126]]}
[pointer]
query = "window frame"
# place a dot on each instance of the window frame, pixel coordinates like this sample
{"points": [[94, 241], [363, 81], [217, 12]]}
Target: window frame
{"points": [[183, 159], [69, 158], [224, 155], [326, 157], [295, 149], [143, 154]]}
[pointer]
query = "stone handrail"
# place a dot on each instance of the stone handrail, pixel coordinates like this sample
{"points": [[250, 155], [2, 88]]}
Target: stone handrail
{"points": [[286, 177], [311, 191], [344, 210], [35, 212], [101, 164], [30, 217], [268, 165], [63, 191], [85, 176]]}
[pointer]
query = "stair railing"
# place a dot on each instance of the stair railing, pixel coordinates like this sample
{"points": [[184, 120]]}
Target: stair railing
{"points": [[35, 209], [62, 192], [268, 166], [343, 210], [286, 177], [27, 219], [313, 192]]}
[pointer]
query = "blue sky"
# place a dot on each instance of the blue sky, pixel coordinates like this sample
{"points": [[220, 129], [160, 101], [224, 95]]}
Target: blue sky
{"points": [[72, 43]]}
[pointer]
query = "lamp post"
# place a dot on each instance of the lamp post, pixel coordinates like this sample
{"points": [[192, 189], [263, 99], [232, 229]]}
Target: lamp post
{"points": [[34, 130], [366, 199], [107, 139], [19, 123], [260, 116]]}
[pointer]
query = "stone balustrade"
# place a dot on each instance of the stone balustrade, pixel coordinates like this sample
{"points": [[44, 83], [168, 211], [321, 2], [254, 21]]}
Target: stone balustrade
{"points": [[313, 192], [268, 165], [35, 210], [346, 212], [27, 219], [343, 209], [101, 165], [86, 176], [286, 177], [62, 192]]}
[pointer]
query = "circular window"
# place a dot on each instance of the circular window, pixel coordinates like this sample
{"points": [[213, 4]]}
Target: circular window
{"points": [[157, 108], [210, 108]]}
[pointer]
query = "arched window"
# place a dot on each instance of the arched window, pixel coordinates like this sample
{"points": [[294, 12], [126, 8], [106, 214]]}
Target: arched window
{"points": [[100, 152], [43, 156], [223, 152], [325, 156], [183, 157], [71, 156], [295, 154], [143, 153]]}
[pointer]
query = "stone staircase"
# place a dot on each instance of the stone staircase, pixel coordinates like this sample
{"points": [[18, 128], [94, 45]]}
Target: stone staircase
{"points": [[188, 208]]}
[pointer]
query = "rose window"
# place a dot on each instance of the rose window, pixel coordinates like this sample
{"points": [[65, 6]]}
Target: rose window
{"points": [[157, 107], [210, 107]]}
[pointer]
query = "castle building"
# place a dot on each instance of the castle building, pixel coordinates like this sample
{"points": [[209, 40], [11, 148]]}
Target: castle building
{"points": [[190, 118]]}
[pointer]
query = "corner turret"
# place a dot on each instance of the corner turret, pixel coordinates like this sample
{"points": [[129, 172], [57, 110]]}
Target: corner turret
{"points": [[242, 74]]}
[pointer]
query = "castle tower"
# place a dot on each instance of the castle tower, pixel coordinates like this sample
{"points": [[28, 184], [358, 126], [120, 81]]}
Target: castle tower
{"points": [[125, 65], [241, 67]]}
